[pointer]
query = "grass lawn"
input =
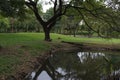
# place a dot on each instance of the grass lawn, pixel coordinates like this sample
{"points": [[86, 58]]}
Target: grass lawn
{"points": [[86, 40], [14, 47], [15, 38]]}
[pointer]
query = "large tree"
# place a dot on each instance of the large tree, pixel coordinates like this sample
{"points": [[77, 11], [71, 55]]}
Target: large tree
{"points": [[59, 9]]}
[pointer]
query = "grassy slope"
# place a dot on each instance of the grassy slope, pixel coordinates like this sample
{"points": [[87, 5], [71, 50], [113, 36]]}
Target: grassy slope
{"points": [[16, 46]]}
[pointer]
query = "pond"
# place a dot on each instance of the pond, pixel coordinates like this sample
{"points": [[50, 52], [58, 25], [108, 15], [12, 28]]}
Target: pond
{"points": [[80, 65]]}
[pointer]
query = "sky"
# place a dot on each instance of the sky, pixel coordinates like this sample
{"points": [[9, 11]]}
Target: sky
{"points": [[46, 5]]}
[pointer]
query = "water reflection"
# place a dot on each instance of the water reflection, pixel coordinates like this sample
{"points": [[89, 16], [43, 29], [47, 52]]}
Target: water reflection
{"points": [[80, 66], [44, 76], [85, 55]]}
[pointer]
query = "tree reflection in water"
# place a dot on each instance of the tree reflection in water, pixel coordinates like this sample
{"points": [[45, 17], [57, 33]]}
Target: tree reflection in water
{"points": [[81, 66]]}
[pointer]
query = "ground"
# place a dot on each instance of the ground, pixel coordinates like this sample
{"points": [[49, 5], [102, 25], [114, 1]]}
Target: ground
{"points": [[21, 53]]}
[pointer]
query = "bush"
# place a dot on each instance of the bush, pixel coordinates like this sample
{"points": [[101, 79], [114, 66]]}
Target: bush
{"points": [[115, 34]]}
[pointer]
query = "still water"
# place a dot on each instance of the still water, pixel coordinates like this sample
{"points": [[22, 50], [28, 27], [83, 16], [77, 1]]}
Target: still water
{"points": [[81, 65]]}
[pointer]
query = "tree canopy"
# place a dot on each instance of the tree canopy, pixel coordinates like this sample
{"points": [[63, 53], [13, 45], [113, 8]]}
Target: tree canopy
{"points": [[12, 7]]}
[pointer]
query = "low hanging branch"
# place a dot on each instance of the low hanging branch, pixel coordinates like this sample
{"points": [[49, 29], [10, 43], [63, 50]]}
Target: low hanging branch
{"points": [[86, 21]]}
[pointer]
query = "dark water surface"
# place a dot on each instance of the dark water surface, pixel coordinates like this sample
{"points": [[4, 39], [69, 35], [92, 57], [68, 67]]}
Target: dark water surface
{"points": [[81, 65]]}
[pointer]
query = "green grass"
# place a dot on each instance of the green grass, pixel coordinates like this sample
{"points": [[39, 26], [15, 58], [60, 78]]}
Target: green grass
{"points": [[7, 62], [15, 38], [86, 40], [18, 45], [22, 44]]}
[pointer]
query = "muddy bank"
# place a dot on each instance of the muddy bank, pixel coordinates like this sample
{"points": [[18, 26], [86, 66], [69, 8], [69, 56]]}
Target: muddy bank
{"points": [[91, 46]]}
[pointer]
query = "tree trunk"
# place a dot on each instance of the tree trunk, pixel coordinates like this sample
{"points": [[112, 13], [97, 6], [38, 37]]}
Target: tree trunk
{"points": [[47, 34]]}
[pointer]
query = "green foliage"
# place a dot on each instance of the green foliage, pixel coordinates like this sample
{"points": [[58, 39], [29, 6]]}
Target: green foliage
{"points": [[49, 13], [115, 34], [12, 7], [4, 24], [26, 26]]}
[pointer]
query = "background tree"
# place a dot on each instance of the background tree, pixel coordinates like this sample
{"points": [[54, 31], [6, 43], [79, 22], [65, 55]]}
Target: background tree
{"points": [[4, 24]]}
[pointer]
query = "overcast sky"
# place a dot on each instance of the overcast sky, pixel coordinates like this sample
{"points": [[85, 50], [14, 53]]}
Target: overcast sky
{"points": [[45, 5]]}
